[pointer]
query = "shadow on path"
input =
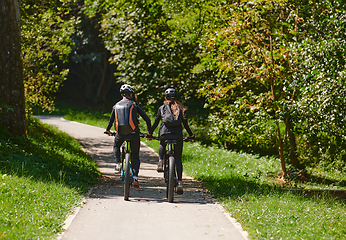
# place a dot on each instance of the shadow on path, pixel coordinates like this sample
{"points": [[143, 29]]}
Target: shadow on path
{"points": [[152, 189]]}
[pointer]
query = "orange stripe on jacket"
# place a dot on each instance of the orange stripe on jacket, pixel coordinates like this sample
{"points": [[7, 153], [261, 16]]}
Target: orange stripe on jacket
{"points": [[133, 126], [116, 120]]}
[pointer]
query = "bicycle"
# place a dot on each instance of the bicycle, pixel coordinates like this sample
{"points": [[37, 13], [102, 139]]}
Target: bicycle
{"points": [[126, 173], [169, 170]]}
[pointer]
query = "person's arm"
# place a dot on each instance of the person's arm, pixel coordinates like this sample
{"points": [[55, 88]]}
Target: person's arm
{"points": [[156, 123], [144, 116], [111, 121], [187, 127]]}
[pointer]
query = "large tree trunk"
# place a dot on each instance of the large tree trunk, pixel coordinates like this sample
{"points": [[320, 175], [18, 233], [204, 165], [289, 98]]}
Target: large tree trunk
{"points": [[12, 101]]}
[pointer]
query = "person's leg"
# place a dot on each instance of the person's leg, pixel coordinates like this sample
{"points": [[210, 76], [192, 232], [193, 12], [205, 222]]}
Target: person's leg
{"points": [[178, 151], [162, 151], [118, 141], [135, 146]]}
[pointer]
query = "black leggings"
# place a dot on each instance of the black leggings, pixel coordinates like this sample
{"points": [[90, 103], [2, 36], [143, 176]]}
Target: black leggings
{"points": [[178, 151], [134, 145]]}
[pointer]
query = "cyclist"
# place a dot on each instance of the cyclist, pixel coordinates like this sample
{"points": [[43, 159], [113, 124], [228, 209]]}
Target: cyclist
{"points": [[124, 118], [172, 131]]}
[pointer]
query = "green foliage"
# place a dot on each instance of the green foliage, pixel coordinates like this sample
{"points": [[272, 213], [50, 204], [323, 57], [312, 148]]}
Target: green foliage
{"points": [[321, 80], [271, 74], [153, 44], [46, 30], [41, 179], [251, 56], [279, 61]]}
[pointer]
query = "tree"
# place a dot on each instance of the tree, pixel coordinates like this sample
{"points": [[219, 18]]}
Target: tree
{"points": [[280, 62], [12, 103], [154, 44], [47, 27], [254, 60], [321, 79]]}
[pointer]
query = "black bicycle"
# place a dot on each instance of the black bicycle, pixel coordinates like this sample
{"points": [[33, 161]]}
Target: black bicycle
{"points": [[126, 173], [169, 170]]}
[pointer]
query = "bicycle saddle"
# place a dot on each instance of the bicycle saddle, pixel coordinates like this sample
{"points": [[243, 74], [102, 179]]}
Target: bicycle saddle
{"points": [[171, 141]]}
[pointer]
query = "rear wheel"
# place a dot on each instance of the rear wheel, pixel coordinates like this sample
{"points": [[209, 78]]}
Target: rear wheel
{"points": [[122, 168], [171, 175], [127, 182]]}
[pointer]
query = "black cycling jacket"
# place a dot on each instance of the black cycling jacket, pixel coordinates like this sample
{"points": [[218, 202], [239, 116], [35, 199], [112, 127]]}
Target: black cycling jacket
{"points": [[136, 109], [169, 130]]}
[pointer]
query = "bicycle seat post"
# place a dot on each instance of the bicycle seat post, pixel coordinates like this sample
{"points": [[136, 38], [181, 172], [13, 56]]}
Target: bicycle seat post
{"points": [[170, 144], [127, 145]]}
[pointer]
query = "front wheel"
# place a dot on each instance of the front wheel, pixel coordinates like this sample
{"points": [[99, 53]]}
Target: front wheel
{"points": [[171, 175], [127, 182]]}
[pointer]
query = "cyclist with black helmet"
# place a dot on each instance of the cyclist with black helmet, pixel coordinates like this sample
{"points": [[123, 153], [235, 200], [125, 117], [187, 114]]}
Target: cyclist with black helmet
{"points": [[172, 129], [124, 118]]}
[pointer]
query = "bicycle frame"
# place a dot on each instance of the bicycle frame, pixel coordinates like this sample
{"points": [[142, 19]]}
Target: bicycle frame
{"points": [[126, 168], [126, 165], [169, 170], [125, 149]]}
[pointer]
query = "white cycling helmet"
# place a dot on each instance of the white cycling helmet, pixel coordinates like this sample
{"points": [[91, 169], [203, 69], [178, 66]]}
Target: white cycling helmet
{"points": [[126, 89]]}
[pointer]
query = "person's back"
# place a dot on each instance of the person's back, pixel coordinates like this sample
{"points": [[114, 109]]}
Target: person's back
{"points": [[126, 112]]}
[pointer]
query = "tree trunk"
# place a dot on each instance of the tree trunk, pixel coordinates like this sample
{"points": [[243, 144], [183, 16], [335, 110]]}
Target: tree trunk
{"points": [[293, 145], [12, 101], [281, 151]]}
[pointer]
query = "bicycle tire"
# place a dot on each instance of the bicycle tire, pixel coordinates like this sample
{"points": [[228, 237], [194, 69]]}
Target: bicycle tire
{"points": [[127, 182], [165, 174], [122, 168], [171, 175]]}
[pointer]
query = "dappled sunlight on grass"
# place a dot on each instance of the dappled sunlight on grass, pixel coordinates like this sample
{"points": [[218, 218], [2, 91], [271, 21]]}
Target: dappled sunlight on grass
{"points": [[244, 184], [223, 163], [41, 179]]}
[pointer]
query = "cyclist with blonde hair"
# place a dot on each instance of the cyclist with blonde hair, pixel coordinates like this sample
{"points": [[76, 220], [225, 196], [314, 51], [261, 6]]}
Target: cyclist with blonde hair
{"points": [[172, 115]]}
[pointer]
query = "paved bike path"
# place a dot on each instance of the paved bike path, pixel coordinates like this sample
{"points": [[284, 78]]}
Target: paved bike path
{"points": [[147, 215]]}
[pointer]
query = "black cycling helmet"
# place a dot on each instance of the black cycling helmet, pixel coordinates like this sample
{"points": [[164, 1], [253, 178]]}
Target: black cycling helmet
{"points": [[126, 89], [170, 93]]}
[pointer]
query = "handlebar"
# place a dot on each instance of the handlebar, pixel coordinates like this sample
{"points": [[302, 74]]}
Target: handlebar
{"points": [[114, 133], [189, 139], [185, 139], [142, 135]]}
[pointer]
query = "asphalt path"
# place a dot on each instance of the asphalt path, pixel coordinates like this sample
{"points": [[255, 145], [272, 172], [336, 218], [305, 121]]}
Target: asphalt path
{"points": [[147, 215]]}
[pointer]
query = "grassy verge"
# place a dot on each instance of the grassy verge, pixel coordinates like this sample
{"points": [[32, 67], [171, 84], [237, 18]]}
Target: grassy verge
{"points": [[41, 179], [241, 183], [245, 185]]}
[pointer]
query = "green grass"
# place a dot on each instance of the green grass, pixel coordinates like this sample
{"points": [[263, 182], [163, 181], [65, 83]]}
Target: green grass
{"points": [[245, 185], [241, 182], [41, 179]]}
